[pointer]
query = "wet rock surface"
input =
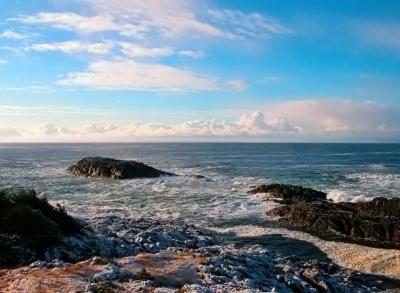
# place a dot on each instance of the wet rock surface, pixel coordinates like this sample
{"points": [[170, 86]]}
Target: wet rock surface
{"points": [[208, 269], [375, 223], [115, 169], [29, 226], [287, 194], [31, 229], [117, 237]]}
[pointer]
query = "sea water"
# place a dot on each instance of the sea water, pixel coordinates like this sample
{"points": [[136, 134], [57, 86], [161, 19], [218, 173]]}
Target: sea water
{"points": [[347, 172]]}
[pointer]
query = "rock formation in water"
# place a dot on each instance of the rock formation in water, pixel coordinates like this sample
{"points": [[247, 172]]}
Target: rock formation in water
{"points": [[115, 169], [374, 223], [287, 194]]}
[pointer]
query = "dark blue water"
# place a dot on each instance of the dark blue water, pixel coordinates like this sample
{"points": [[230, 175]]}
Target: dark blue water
{"points": [[347, 171]]}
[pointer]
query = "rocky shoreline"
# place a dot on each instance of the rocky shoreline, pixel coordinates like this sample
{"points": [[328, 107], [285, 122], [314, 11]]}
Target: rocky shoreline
{"points": [[114, 254], [374, 223]]}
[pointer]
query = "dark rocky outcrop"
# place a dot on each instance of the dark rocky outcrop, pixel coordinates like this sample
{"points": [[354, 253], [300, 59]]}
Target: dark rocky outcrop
{"points": [[29, 225], [286, 194], [375, 223], [33, 230], [115, 169]]}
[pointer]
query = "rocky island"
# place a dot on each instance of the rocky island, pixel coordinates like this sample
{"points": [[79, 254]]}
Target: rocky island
{"points": [[115, 169]]}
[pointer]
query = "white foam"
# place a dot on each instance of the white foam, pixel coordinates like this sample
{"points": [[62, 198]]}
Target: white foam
{"points": [[377, 179], [337, 195]]}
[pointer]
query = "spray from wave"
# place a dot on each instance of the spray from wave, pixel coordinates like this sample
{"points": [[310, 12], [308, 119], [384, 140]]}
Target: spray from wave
{"points": [[337, 195]]}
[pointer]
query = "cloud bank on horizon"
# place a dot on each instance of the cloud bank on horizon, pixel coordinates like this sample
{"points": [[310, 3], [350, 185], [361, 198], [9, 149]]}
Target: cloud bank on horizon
{"points": [[118, 70]]}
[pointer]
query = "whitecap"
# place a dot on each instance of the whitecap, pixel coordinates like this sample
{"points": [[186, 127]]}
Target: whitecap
{"points": [[337, 195], [380, 179]]}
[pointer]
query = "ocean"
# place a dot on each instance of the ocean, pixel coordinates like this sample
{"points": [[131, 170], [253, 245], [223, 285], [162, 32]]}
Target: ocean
{"points": [[348, 172]]}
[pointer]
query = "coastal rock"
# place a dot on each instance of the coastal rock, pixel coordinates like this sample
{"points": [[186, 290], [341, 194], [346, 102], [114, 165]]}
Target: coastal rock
{"points": [[115, 169], [29, 226], [33, 230], [375, 223], [206, 270], [285, 193]]}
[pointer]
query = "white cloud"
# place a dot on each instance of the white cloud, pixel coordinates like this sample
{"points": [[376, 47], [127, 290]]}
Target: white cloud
{"points": [[131, 75], [134, 50], [251, 125], [10, 34], [338, 118], [307, 120], [49, 129], [191, 54], [140, 18], [72, 21], [32, 89], [71, 47], [237, 85], [2, 61], [170, 18], [93, 128]]}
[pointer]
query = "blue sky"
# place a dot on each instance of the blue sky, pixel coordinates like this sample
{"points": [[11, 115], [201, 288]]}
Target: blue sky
{"points": [[118, 70]]}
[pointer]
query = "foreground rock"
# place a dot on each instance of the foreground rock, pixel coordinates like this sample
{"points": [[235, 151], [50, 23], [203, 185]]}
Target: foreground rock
{"points": [[208, 270], [287, 194], [375, 223], [31, 229], [115, 169], [29, 226]]}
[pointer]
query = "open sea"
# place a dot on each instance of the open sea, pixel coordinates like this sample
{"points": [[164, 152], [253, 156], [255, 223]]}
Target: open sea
{"points": [[348, 172]]}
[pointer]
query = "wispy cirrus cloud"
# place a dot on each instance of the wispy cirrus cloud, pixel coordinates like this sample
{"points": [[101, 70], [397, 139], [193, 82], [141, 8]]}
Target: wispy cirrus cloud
{"points": [[134, 50], [168, 18], [10, 34], [71, 47], [31, 88], [247, 25], [192, 54], [150, 20], [46, 110], [70, 21]]}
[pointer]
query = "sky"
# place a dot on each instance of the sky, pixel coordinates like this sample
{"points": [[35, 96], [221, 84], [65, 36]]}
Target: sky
{"points": [[191, 70]]}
